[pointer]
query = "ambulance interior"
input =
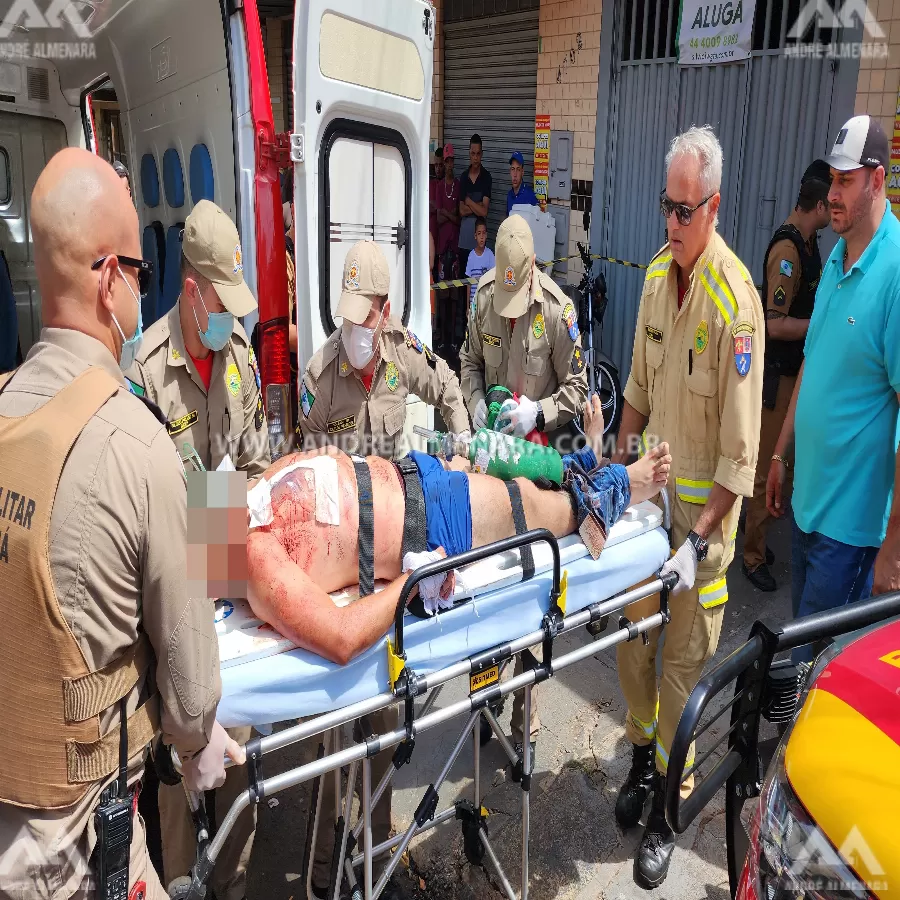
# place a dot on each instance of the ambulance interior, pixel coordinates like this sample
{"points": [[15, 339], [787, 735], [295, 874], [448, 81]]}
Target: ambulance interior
{"points": [[178, 92]]}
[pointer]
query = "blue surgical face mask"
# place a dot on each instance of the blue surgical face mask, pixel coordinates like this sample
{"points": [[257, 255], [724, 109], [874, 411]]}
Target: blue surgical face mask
{"points": [[130, 346], [218, 328]]}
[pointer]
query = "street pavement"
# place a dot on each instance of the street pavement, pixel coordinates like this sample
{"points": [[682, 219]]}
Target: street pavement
{"points": [[577, 851]]}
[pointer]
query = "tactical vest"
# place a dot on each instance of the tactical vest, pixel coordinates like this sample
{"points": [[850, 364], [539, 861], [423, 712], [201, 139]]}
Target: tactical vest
{"points": [[51, 748], [786, 357]]}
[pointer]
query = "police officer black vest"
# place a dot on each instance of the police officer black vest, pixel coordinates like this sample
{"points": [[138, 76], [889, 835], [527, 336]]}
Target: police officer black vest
{"points": [[786, 357]]}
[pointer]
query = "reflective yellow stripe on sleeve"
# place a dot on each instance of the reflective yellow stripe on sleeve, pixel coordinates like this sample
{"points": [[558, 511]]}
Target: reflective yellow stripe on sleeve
{"points": [[720, 293], [659, 267], [714, 594], [693, 491], [642, 446]]}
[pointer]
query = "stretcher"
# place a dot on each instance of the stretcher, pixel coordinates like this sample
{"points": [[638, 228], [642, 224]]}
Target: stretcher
{"points": [[496, 617]]}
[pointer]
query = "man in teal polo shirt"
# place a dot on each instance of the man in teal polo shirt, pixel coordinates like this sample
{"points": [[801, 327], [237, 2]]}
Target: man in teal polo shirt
{"points": [[842, 423]]}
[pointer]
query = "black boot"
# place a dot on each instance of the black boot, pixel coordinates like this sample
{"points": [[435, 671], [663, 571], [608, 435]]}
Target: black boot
{"points": [[638, 786], [651, 865]]}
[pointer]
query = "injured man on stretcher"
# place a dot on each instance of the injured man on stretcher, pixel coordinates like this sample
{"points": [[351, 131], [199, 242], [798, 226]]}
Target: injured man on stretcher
{"points": [[309, 540]]}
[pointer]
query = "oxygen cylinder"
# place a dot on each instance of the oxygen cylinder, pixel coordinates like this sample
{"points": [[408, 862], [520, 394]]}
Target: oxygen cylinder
{"points": [[496, 395], [508, 457]]}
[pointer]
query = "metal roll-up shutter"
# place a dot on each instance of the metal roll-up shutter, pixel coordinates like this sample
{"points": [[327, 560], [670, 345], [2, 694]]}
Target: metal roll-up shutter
{"points": [[490, 88]]}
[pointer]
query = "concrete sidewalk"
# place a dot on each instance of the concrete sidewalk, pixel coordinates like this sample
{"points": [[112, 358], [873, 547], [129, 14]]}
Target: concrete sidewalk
{"points": [[577, 851]]}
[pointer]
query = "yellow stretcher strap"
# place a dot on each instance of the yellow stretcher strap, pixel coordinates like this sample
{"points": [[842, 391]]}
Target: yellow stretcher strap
{"points": [[396, 664], [563, 587], [713, 594]]}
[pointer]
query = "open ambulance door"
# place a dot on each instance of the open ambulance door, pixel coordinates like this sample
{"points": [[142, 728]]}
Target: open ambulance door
{"points": [[362, 106]]}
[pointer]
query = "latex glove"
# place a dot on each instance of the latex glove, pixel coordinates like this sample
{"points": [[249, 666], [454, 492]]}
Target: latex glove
{"points": [[437, 590], [684, 563], [479, 420], [521, 420], [464, 435], [206, 770]]}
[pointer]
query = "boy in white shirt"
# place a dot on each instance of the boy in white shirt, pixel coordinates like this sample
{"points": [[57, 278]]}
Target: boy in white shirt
{"points": [[481, 259]]}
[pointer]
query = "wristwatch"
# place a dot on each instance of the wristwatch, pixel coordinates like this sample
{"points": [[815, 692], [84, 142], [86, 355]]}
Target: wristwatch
{"points": [[701, 547]]}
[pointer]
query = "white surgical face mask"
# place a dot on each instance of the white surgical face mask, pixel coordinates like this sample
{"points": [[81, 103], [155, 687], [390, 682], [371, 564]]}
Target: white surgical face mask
{"points": [[359, 342], [130, 346]]}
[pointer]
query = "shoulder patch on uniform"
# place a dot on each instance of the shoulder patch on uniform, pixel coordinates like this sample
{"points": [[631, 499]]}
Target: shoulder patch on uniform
{"points": [[254, 367], [577, 361], [571, 320], [306, 398], [413, 341], [779, 298], [742, 335], [786, 267], [701, 337], [176, 426], [491, 340], [343, 424], [431, 357], [537, 325], [654, 334], [135, 388], [259, 416]]}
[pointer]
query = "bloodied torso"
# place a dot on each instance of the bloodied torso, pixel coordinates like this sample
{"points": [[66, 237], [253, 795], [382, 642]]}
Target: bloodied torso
{"points": [[329, 554]]}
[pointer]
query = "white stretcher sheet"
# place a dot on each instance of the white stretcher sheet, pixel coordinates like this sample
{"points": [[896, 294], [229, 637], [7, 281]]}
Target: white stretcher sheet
{"points": [[265, 681]]}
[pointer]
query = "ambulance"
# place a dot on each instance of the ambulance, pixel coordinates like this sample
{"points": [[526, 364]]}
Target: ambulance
{"points": [[822, 821], [178, 91]]}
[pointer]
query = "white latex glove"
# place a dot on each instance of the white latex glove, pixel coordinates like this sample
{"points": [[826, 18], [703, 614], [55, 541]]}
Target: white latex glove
{"points": [[684, 563], [464, 435], [521, 420], [436, 590], [479, 420], [206, 770]]}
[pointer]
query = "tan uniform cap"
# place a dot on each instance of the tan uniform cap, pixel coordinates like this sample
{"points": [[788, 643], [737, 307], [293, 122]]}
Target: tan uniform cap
{"points": [[515, 254], [212, 246], [366, 275]]}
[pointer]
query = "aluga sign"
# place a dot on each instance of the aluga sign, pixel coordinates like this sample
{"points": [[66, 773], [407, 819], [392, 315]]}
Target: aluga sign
{"points": [[710, 33]]}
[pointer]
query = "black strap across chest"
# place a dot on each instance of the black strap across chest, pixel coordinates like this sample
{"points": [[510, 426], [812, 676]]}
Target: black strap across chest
{"points": [[366, 528]]}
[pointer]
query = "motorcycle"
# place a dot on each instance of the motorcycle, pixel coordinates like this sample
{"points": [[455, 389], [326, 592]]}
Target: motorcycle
{"points": [[591, 302]]}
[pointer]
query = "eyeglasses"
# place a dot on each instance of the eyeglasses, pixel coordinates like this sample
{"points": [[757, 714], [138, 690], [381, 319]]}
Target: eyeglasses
{"points": [[144, 268], [681, 210]]}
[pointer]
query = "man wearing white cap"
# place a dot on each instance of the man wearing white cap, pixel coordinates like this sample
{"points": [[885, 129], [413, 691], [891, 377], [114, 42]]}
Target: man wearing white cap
{"points": [[198, 367], [353, 393], [841, 427], [522, 334]]}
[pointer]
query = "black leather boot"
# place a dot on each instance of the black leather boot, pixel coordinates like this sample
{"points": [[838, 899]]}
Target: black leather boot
{"points": [[651, 865], [638, 786]]}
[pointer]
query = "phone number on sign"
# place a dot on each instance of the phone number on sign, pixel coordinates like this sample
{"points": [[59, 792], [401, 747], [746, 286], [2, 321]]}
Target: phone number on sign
{"points": [[713, 41]]}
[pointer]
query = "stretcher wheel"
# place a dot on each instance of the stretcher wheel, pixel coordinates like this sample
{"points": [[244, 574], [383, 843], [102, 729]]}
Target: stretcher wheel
{"points": [[472, 845]]}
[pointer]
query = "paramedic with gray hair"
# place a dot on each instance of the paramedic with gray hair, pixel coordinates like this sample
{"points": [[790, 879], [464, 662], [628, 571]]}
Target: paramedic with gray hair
{"points": [[695, 382]]}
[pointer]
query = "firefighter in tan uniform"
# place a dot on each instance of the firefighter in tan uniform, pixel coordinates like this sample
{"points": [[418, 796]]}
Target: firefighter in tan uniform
{"points": [[525, 337], [354, 391], [695, 382], [198, 366], [92, 559], [523, 334], [353, 396], [197, 363]]}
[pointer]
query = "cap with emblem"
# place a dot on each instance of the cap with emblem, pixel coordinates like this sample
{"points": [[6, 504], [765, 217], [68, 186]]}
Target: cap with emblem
{"points": [[514, 258], [212, 246], [861, 142], [366, 276]]}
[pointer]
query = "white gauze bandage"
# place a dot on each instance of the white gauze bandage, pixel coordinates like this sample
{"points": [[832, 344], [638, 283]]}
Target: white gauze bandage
{"points": [[429, 588], [325, 476]]}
